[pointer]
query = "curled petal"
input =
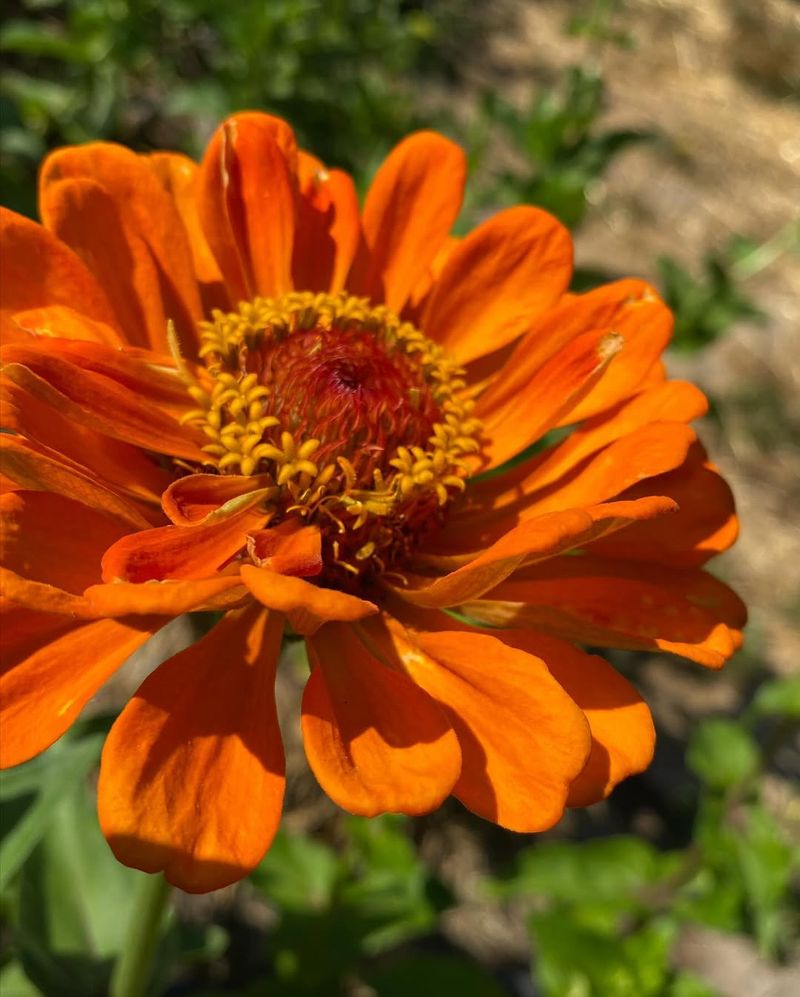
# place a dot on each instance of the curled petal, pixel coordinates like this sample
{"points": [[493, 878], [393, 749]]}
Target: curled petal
{"points": [[328, 227], [246, 203], [307, 606], [182, 551]]}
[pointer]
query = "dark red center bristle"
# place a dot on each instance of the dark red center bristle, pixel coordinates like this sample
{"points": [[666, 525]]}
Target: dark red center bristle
{"points": [[344, 388]]}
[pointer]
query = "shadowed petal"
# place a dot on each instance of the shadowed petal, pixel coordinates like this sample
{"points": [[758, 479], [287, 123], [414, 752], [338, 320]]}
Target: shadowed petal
{"points": [[147, 214], [620, 604], [328, 227], [200, 794], [522, 738], [623, 736], [376, 742]]}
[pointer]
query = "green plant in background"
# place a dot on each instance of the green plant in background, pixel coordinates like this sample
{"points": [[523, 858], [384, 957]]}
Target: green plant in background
{"points": [[360, 905], [707, 306], [606, 913], [559, 145], [162, 73]]}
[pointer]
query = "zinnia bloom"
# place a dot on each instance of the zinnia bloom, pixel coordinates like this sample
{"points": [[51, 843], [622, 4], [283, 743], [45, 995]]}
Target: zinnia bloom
{"points": [[228, 388]]}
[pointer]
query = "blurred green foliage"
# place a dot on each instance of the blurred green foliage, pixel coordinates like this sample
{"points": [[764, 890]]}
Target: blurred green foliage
{"points": [[707, 305], [607, 912], [604, 914], [558, 143], [162, 73]]}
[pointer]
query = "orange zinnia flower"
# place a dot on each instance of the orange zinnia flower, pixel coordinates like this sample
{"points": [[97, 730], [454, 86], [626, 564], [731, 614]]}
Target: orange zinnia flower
{"points": [[229, 389]]}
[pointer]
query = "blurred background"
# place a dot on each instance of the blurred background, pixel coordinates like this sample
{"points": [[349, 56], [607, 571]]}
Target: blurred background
{"points": [[666, 134]]}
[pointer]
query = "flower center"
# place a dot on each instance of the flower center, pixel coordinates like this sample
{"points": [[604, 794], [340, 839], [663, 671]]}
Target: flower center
{"points": [[354, 420]]}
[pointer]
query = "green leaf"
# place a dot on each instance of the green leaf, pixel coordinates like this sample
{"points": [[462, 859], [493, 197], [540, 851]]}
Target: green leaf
{"points": [[297, 873], [779, 698], [689, 985], [433, 976], [592, 872], [765, 861], [722, 753], [31, 793], [14, 982], [573, 959], [73, 906]]}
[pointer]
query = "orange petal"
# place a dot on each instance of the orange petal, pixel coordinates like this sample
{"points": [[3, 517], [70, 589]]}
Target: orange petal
{"points": [[183, 551], [37, 543], [204, 498], [146, 212], [39, 270], [375, 741], [288, 549], [522, 738], [641, 455], [328, 227], [623, 736], [85, 216], [534, 540], [178, 176], [554, 328], [307, 606], [96, 401], [412, 203], [120, 466], [620, 604], [32, 467], [165, 598], [246, 203], [669, 401], [48, 678], [152, 376], [62, 323], [498, 504], [200, 796], [41, 596], [704, 525], [496, 281], [554, 389], [646, 328]]}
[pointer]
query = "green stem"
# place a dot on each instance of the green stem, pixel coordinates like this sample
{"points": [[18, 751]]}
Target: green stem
{"points": [[133, 969]]}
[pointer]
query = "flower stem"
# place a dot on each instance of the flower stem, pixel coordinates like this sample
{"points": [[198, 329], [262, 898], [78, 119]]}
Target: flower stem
{"points": [[133, 969]]}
